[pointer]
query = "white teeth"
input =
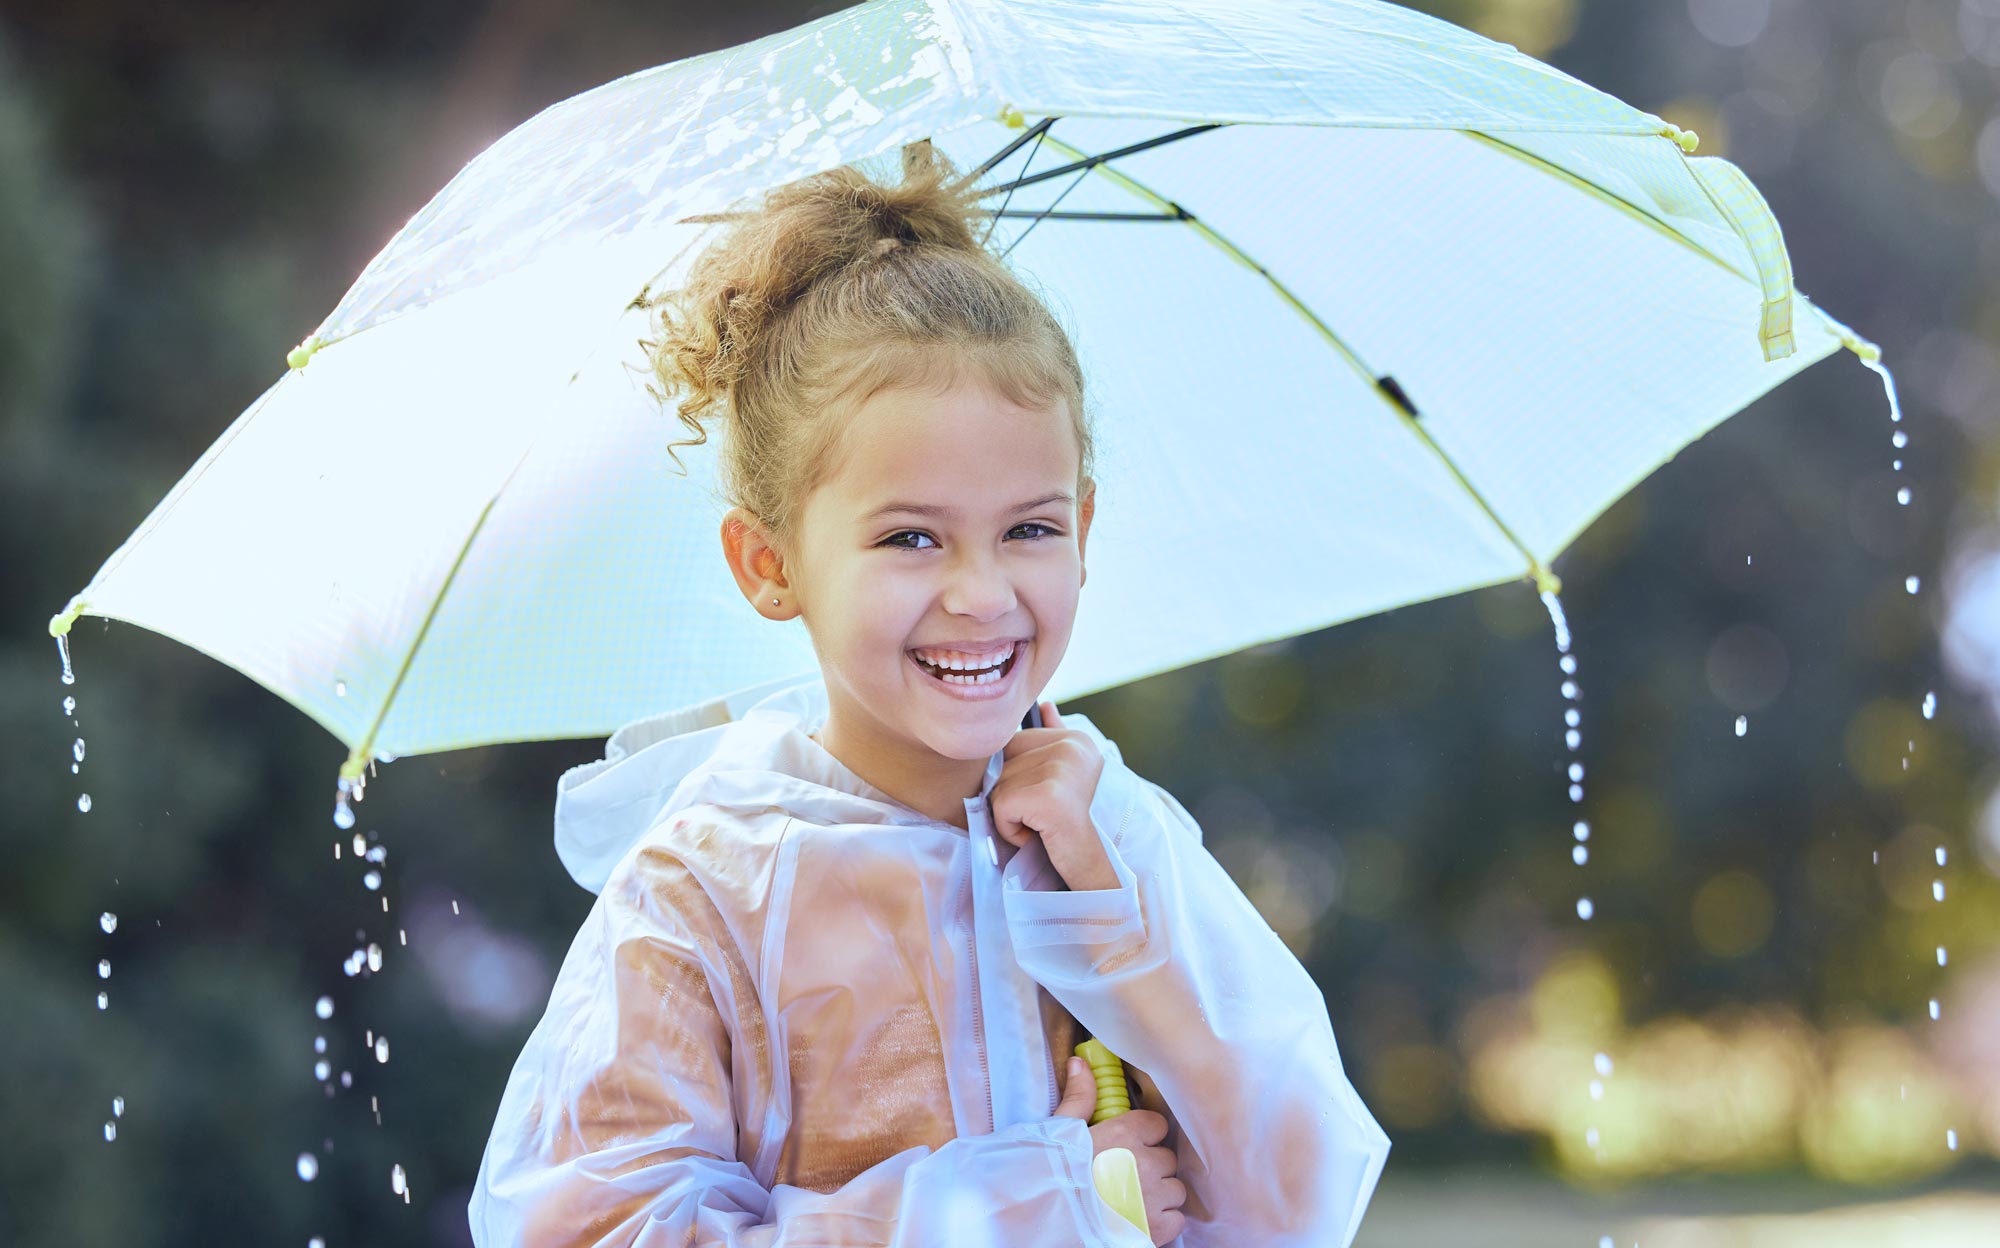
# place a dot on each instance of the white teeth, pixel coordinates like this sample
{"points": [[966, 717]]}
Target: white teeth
{"points": [[955, 661]]}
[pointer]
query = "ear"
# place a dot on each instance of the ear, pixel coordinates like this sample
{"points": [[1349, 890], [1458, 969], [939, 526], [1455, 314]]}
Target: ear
{"points": [[1085, 510], [756, 564]]}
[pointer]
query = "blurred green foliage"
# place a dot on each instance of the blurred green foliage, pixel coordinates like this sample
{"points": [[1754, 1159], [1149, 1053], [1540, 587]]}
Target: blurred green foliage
{"points": [[184, 191]]}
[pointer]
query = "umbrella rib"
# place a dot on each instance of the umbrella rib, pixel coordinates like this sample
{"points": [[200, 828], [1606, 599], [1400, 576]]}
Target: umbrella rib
{"points": [[1545, 580]]}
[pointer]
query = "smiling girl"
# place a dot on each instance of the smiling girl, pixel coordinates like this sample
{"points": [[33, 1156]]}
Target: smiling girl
{"points": [[829, 991]]}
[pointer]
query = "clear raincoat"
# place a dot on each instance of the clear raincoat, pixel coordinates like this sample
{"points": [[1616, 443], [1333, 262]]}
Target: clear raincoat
{"points": [[801, 1012]]}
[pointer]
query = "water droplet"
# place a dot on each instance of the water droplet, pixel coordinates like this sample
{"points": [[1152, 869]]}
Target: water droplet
{"points": [[1930, 705], [1579, 854], [1584, 909], [75, 769], [1568, 664], [346, 1078], [377, 853], [108, 921], [1596, 1089], [308, 1167], [315, 1242], [1903, 496], [83, 803], [1934, 1009], [382, 1048], [1937, 890], [1875, 856], [62, 648], [372, 881], [1603, 1064], [1951, 1139], [117, 1107], [110, 1131], [1590, 1137], [1573, 739], [323, 1007], [1896, 464], [339, 688], [374, 957], [76, 751], [352, 966], [1910, 584], [1940, 955], [1576, 771], [1575, 792], [104, 968], [360, 845], [321, 1070], [319, 1044], [1582, 830], [1899, 439], [1572, 717], [103, 1000], [454, 905], [343, 814], [1940, 855], [69, 706], [398, 1182], [1569, 690], [1605, 1241]]}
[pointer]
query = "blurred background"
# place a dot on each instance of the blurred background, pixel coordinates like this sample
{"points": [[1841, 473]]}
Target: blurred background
{"points": [[1747, 1021]]}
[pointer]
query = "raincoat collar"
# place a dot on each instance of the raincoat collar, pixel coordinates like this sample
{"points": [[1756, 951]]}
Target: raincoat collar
{"points": [[750, 752]]}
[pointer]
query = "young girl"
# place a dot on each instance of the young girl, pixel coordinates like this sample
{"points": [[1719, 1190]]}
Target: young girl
{"points": [[846, 931]]}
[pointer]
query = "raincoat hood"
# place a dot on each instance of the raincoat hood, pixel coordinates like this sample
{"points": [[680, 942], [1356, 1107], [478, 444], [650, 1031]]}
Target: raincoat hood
{"points": [[748, 752]]}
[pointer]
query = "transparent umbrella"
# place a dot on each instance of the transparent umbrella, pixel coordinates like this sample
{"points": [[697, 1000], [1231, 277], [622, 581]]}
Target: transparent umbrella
{"points": [[1407, 305]]}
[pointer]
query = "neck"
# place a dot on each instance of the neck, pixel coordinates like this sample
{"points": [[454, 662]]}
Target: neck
{"points": [[930, 784]]}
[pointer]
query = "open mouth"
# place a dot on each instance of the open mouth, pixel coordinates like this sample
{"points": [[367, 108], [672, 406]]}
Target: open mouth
{"points": [[971, 679]]}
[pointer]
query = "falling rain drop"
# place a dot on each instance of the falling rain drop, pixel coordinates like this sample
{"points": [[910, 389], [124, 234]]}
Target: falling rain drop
{"points": [[339, 688], [343, 813], [62, 648], [360, 845], [103, 1000], [117, 1107], [1573, 739], [108, 921], [321, 1071], [1937, 890], [1568, 664], [372, 881], [308, 1167], [1910, 584], [1582, 830], [1569, 690], [76, 751], [110, 1130], [315, 1242], [1579, 854], [1576, 771], [1584, 909], [1903, 496], [377, 853], [1742, 724], [319, 1044], [1575, 792], [1596, 1089], [1603, 1064], [1930, 705], [374, 957], [1951, 1139], [1934, 1009], [324, 1007], [69, 705], [1590, 1137], [1572, 717], [1899, 439], [83, 803], [104, 968], [1940, 855], [382, 1049], [1940, 955], [398, 1182], [346, 1078]]}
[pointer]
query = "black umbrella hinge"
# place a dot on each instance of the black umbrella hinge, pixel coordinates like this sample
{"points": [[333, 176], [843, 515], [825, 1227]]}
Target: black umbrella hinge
{"points": [[1390, 386]]}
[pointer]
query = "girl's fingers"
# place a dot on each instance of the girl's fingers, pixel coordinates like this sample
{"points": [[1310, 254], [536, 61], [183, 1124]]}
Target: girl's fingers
{"points": [[1049, 717]]}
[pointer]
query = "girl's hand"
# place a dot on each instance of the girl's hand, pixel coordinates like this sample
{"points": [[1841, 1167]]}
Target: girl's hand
{"points": [[1047, 778], [1142, 1131]]}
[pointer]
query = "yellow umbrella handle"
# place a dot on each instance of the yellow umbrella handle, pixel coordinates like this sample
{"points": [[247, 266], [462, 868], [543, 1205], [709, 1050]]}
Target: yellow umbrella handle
{"points": [[1115, 1171]]}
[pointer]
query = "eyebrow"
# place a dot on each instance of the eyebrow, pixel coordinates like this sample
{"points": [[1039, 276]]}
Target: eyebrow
{"points": [[935, 511]]}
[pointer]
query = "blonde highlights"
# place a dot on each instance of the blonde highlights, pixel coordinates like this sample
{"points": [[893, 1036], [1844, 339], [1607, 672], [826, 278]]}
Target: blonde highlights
{"points": [[835, 288]]}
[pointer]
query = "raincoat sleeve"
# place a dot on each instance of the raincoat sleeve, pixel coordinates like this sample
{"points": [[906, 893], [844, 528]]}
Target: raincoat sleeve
{"points": [[1177, 973], [622, 1122]]}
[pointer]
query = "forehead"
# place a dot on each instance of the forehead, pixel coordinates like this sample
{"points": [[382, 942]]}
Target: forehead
{"points": [[968, 447]]}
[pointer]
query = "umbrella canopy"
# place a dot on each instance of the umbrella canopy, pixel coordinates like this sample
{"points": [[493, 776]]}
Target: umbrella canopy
{"points": [[1372, 310]]}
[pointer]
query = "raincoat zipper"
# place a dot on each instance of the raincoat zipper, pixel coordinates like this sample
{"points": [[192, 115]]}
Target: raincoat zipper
{"points": [[978, 1022]]}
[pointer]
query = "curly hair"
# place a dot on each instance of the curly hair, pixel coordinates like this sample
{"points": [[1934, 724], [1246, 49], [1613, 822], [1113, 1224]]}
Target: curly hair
{"points": [[835, 288]]}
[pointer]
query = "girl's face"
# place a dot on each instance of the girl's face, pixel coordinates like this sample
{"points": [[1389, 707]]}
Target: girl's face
{"points": [[951, 523]]}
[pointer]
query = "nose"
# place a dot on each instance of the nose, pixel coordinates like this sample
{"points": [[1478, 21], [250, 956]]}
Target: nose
{"points": [[978, 585]]}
